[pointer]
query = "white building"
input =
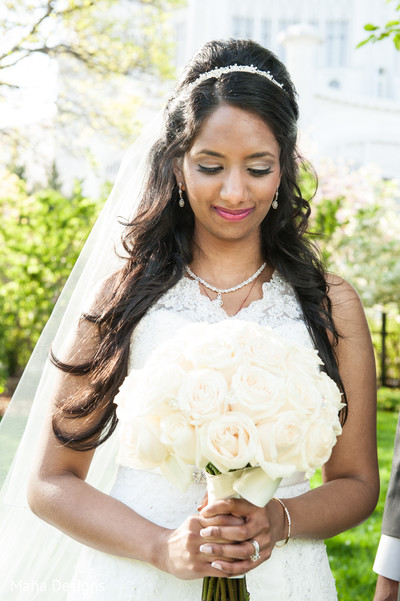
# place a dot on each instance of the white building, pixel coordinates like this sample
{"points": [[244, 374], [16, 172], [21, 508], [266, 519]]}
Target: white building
{"points": [[349, 98]]}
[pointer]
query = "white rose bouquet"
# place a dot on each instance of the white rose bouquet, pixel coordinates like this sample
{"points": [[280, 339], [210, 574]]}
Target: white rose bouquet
{"points": [[235, 399]]}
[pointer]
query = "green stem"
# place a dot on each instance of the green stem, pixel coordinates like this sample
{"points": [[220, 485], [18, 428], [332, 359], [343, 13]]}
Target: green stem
{"points": [[211, 469], [223, 590], [231, 590], [210, 589], [246, 595]]}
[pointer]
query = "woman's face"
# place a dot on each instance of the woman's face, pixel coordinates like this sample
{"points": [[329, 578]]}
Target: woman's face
{"points": [[230, 174]]}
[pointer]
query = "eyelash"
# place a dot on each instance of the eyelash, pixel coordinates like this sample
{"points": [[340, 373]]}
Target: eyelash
{"points": [[255, 172]]}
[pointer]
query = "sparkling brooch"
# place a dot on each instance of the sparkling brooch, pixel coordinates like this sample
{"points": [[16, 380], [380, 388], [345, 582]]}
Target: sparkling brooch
{"points": [[198, 476]]}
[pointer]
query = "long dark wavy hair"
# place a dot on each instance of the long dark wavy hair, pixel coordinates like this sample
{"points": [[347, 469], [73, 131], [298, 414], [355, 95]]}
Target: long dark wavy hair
{"points": [[158, 241]]}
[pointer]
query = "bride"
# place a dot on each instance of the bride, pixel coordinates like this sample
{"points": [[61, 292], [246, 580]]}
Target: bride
{"points": [[219, 233]]}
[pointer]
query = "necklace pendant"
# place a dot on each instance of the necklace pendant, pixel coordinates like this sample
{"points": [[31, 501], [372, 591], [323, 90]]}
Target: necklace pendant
{"points": [[219, 299]]}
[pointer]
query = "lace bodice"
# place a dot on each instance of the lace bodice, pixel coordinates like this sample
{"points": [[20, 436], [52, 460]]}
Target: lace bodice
{"points": [[278, 308]]}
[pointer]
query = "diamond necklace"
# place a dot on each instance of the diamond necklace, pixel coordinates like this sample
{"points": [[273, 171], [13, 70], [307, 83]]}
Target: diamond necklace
{"points": [[221, 291]]}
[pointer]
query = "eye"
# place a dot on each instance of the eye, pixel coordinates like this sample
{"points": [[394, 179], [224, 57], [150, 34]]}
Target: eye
{"points": [[204, 169], [259, 172]]}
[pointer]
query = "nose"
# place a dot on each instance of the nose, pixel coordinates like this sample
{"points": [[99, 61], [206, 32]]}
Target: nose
{"points": [[233, 188]]}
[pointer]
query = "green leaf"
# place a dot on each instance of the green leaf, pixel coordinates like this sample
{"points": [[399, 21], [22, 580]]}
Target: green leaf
{"points": [[391, 24], [369, 39], [370, 27]]}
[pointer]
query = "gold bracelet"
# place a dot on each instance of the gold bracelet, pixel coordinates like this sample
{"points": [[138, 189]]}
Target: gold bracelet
{"points": [[289, 521]]}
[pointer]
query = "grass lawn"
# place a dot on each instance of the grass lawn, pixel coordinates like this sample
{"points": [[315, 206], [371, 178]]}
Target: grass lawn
{"points": [[352, 553]]}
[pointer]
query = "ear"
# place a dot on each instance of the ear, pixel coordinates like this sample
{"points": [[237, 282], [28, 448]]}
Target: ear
{"points": [[178, 171]]}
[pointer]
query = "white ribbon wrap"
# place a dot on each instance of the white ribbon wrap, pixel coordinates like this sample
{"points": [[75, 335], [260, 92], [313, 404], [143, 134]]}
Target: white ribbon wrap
{"points": [[250, 483]]}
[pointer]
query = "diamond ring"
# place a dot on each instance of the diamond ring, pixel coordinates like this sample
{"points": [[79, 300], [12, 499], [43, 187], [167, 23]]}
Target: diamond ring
{"points": [[256, 555]]}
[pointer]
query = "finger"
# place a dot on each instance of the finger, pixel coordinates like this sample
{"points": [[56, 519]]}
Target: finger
{"points": [[239, 507], [241, 551], [238, 533], [203, 502], [221, 520], [236, 568]]}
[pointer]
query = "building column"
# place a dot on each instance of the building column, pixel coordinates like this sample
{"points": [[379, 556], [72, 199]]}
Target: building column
{"points": [[301, 46]]}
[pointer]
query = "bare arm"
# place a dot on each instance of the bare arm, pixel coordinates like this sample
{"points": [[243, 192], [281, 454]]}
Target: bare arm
{"points": [[386, 589], [351, 480]]}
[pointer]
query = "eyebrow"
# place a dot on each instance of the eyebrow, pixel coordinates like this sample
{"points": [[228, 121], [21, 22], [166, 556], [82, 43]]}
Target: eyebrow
{"points": [[255, 155]]}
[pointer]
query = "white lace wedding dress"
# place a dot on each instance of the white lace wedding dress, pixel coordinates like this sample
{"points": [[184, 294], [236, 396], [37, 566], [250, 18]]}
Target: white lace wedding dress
{"points": [[299, 571]]}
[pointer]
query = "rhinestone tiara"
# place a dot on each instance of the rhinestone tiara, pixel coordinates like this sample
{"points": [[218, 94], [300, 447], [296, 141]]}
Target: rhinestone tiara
{"points": [[216, 73]]}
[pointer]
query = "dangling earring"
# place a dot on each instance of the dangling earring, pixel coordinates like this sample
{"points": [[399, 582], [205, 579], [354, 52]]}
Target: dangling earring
{"points": [[275, 201], [181, 199]]}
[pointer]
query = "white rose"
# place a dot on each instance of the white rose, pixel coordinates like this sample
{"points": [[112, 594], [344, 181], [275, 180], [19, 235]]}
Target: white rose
{"points": [[330, 391], [256, 392], [155, 390], [202, 395], [229, 442], [172, 355], [303, 394], [303, 360], [267, 351], [281, 438], [331, 402], [124, 399], [179, 436], [317, 447], [219, 347], [140, 445], [330, 415], [175, 350]]}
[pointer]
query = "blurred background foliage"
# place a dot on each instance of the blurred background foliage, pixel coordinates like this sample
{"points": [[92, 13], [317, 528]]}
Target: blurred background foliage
{"points": [[41, 235], [355, 222]]}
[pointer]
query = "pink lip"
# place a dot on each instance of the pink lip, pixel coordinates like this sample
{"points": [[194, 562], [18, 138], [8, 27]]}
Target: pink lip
{"points": [[231, 215]]}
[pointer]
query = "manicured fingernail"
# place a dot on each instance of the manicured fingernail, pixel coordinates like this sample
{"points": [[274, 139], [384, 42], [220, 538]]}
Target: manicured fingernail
{"points": [[216, 566], [205, 532], [206, 549]]}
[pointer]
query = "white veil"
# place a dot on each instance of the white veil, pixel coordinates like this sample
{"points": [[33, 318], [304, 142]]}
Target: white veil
{"points": [[37, 560]]}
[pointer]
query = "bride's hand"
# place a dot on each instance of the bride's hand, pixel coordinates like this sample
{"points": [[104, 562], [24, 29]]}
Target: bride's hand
{"points": [[180, 554], [265, 525]]}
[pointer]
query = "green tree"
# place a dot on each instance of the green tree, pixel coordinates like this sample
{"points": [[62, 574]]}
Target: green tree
{"points": [[41, 236], [356, 222], [390, 30], [96, 46]]}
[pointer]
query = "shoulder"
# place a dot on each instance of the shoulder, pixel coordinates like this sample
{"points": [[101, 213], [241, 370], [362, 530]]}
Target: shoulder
{"points": [[347, 308], [341, 292]]}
